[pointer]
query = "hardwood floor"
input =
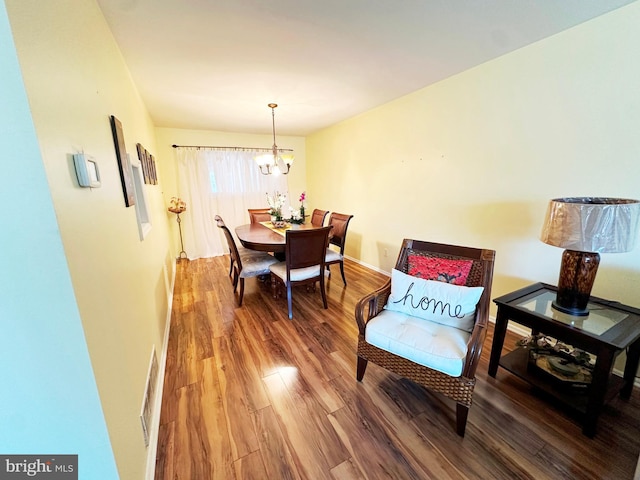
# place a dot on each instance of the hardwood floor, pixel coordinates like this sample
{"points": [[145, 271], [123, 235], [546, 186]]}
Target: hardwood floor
{"points": [[250, 394]]}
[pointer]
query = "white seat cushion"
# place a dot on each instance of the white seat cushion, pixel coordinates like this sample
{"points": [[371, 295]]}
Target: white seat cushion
{"points": [[245, 251], [297, 274], [424, 342], [332, 256], [255, 263]]}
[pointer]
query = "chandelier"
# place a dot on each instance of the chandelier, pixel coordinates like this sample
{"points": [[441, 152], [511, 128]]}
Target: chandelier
{"points": [[274, 163]]}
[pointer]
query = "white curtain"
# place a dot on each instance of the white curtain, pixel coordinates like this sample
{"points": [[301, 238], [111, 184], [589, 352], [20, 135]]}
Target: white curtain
{"points": [[219, 182]]}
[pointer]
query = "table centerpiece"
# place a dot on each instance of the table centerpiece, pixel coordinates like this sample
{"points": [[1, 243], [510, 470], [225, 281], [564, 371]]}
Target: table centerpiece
{"points": [[297, 215], [276, 202]]}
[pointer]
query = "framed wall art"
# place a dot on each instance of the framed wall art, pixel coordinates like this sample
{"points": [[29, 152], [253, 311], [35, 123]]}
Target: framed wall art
{"points": [[148, 165], [152, 166], [123, 162], [142, 156]]}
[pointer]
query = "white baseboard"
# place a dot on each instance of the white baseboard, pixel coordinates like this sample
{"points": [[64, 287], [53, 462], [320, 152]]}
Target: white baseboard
{"points": [[372, 267], [152, 450]]}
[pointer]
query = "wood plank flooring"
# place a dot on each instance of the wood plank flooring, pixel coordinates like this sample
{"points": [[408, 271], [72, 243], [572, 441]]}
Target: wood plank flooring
{"points": [[250, 394]]}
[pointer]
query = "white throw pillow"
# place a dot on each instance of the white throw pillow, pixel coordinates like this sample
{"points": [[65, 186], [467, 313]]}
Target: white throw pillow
{"points": [[444, 303]]}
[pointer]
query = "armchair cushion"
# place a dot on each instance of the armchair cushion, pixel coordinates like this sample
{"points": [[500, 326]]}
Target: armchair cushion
{"points": [[440, 302], [441, 269], [424, 342]]}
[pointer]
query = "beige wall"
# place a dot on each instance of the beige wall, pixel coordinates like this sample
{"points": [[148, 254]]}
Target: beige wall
{"points": [[75, 78], [475, 158], [472, 160], [49, 400]]}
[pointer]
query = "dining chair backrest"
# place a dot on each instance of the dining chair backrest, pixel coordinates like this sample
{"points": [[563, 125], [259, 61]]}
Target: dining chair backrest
{"points": [[257, 215], [233, 248], [244, 262], [340, 222], [318, 216], [306, 248]]}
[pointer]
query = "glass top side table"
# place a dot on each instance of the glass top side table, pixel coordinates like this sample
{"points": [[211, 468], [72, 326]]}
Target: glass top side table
{"points": [[608, 330], [600, 319]]}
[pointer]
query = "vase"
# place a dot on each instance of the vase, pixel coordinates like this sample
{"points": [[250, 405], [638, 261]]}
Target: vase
{"points": [[295, 226]]}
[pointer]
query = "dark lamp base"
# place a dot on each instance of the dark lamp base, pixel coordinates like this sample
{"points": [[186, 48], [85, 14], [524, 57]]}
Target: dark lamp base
{"points": [[577, 274], [575, 311]]}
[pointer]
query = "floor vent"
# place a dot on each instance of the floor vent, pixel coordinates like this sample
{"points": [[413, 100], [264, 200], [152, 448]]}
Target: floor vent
{"points": [[146, 413]]}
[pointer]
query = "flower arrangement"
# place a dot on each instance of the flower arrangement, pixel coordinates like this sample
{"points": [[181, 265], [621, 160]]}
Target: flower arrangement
{"points": [[276, 202], [177, 205], [297, 215]]}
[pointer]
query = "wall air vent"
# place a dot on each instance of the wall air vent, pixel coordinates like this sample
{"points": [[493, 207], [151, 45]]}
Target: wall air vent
{"points": [[148, 401]]}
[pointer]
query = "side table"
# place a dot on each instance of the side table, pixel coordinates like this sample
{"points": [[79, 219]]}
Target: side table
{"points": [[609, 329]]}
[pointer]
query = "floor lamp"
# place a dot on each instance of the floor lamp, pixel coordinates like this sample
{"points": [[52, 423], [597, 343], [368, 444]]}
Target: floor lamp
{"points": [[178, 206]]}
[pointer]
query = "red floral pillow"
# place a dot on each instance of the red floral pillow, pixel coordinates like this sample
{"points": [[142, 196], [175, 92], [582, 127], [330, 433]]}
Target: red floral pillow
{"points": [[440, 269]]}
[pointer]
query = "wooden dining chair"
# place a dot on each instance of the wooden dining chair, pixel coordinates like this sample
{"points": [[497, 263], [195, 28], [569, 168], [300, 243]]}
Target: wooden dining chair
{"points": [[340, 223], [304, 264], [257, 215], [318, 216], [244, 262], [439, 352]]}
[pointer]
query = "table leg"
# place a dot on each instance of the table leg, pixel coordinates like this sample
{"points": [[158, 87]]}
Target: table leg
{"points": [[499, 333], [630, 369], [598, 390]]}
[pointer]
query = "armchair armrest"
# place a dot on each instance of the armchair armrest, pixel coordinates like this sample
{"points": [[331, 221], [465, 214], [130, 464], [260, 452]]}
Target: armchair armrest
{"points": [[476, 340], [371, 305]]}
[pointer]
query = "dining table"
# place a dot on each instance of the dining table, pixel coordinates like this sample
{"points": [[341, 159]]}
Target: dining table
{"points": [[265, 237]]}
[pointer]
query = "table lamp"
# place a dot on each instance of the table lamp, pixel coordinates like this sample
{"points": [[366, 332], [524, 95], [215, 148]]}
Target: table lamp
{"points": [[586, 227]]}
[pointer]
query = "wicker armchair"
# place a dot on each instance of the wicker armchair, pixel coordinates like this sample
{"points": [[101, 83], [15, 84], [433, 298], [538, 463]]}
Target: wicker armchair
{"points": [[458, 388]]}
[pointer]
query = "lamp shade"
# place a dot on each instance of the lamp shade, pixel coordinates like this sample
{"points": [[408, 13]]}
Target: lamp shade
{"points": [[592, 224]]}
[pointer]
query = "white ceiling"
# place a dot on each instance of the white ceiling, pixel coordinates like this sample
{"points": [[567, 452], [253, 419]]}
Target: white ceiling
{"points": [[216, 64]]}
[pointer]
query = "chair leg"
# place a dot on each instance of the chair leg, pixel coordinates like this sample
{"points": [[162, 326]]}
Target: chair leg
{"points": [[289, 301], [362, 366], [462, 411], [235, 280], [230, 266], [324, 293], [273, 286], [241, 292], [344, 280]]}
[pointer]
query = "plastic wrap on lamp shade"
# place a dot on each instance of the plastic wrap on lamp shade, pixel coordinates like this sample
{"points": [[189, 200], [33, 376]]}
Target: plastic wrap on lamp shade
{"points": [[592, 224]]}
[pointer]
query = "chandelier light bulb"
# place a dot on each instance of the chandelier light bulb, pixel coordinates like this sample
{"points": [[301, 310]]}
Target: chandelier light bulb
{"points": [[274, 163]]}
